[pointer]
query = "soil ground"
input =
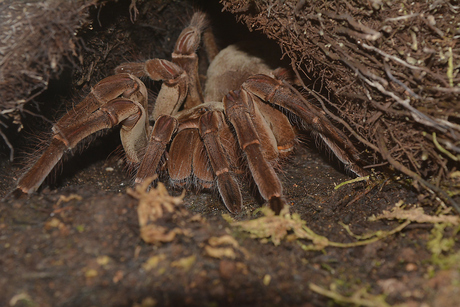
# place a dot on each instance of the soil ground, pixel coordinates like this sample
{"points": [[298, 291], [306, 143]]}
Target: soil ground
{"points": [[79, 245]]}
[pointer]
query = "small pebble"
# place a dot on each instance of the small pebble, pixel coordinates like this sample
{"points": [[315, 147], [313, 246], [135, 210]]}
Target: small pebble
{"points": [[411, 267], [227, 269]]}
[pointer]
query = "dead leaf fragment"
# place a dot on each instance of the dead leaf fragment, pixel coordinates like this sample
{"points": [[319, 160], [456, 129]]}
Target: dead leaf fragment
{"points": [[65, 199], [157, 234], [267, 279], [90, 273], [159, 213], [22, 298], [153, 262], [220, 252], [415, 215], [103, 260], [118, 276], [155, 203], [184, 263], [286, 226], [53, 223], [214, 250], [223, 240]]}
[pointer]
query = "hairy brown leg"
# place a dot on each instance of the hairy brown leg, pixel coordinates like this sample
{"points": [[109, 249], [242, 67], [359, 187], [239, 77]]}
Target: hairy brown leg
{"points": [[181, 81], [184, 55], [343, 156], [111, 114], [227, 184], [280, 93], [162, 131], [187, 157], [173, 90], [268, 183], [265, 134], [107, 89], [181, 155], [210, 45], [230, 145], [202, 169], [278, 122]]}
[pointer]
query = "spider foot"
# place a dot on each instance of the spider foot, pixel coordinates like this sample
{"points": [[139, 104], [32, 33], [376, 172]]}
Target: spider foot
{"points": [[276, 203]]}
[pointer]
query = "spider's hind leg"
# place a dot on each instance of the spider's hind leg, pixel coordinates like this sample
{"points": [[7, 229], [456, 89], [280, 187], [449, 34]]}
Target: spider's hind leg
{"points": [[282, 94]]}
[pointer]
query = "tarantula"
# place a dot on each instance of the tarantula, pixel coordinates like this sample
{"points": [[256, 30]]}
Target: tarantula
{"points": [[243, 113]]}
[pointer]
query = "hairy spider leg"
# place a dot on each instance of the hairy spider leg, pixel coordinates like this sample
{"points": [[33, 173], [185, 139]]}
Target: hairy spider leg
{"points": [[210, 125], [280, 93], [130, 114], [268, 183]]}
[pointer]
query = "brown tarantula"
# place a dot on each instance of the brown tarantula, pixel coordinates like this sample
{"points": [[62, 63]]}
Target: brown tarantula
{"points": [[205, 135]]}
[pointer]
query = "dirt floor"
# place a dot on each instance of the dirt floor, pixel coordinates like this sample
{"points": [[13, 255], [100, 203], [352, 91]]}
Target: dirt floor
{"points": [[77, 242], [79, 245]]}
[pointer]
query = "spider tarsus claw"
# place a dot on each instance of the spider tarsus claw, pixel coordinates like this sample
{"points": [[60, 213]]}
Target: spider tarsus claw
{"points": [[276, 204], [234, 209], [230, 192], [19, 193]]}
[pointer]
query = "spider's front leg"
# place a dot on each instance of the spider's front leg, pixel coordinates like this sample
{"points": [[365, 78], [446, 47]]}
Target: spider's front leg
{"points": [[162, 131], [282, 94], [101, 109], [237, 110], [170, 98], [210, 124], [173, 90], [181, 85]]}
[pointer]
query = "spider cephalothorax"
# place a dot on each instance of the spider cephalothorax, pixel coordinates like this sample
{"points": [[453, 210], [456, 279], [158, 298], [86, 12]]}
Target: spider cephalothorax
{"points": [[204, 134]]}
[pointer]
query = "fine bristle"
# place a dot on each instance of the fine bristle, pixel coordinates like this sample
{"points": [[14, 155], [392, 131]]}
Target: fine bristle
{"points": [[199, 21]]}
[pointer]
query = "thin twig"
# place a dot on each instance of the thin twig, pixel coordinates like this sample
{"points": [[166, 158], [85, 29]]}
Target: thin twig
{"points": [[371, 33], [416, 114], [434, 189], [369, 47], [10, 146], [336, 118], [400, 17], [392, 78], [443, 150]]}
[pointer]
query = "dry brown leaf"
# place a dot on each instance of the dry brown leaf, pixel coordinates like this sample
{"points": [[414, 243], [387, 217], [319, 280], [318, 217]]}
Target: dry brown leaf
{"points": [[157, 207], [157, 234], [220, 252], [415, 215], [155, 203], [153, 262], [184, 263], [223, 240]]}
